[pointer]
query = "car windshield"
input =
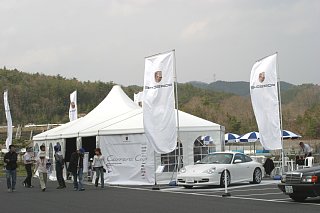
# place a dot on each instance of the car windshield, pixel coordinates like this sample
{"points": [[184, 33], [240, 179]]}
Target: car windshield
{"points": [[217, 158]]}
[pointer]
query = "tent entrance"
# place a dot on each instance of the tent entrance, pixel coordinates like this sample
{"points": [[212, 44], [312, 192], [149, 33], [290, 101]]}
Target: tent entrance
{"points": [[89, 145], [71, 146]]}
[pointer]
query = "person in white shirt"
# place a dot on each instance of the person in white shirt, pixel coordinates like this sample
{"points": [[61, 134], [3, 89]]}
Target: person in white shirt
{"points": [[41, 166], [42, 149], [98, 166], [306, 149], [28, 161]]}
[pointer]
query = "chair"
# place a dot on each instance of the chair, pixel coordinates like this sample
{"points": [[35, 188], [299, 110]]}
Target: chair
{"points": [[308, 162]]}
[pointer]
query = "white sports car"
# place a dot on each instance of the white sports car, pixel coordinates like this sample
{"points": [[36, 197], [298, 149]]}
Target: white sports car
{"points": [[210, 170]]}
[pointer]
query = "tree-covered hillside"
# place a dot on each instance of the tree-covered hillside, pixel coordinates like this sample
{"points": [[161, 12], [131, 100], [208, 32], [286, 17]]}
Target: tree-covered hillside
{"points": [[41, 99], [36, 98], [238, 88]]}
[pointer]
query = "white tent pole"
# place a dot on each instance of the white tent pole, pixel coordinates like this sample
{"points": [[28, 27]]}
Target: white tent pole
{"points": [[280, 111], [155, 187]]}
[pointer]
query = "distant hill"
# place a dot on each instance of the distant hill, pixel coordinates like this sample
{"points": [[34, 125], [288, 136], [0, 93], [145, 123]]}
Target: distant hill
{"points": [[41, 99], [238, 87]]}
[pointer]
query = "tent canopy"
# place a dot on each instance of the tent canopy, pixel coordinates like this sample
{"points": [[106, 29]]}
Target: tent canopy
{"points": [[118, 114]]}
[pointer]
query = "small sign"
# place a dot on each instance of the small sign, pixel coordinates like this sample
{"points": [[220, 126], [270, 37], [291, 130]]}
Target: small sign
{"points": [[288, 189]]}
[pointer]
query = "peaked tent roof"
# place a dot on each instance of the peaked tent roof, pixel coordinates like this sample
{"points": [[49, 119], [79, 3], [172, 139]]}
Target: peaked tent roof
{"points": [[55, 131], [118, 114], [115, 104]]}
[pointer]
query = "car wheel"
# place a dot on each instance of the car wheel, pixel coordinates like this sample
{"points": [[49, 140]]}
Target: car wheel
{"points": [[298, 198], [188, 187], [257, 176], [222, 180]]}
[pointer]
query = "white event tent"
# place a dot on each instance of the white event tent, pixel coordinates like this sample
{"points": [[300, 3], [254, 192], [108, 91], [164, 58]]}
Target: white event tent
{"points": [[116, 126]]}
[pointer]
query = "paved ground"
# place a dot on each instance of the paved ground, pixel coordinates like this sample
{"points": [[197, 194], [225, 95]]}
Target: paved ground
{"points": [[264, 197]]}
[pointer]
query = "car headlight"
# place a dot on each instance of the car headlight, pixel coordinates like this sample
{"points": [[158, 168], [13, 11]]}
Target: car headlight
{"points": [[183, 170], [210, 171], [283, 178], [309, 179]]}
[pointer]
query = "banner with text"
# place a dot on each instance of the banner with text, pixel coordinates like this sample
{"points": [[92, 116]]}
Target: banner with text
{"points": [[129, 158], [265, 102], [158, 102]]}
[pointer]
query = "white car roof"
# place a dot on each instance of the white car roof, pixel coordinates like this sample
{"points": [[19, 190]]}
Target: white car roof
{"points": [[227, 152]]}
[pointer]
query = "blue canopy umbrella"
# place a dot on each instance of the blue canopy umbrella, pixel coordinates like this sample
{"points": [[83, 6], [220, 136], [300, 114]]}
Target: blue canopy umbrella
{"points": [[289, 135], [230, 137], [207, 140], [250, 137]]}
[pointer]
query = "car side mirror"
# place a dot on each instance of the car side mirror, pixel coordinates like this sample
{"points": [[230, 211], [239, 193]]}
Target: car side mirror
{"points": [[237, 161]]}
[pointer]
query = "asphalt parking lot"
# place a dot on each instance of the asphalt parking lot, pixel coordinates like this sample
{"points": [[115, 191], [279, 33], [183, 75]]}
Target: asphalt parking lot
{"points": [[264, 197]]}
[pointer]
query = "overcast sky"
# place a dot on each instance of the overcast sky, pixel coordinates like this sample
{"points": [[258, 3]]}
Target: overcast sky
{"points": [[108, 40]]}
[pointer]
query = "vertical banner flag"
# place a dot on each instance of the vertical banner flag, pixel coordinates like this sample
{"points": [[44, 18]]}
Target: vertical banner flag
{"points": [[158, 102], [9, 120], [265, 102], [73, 110], [138, 97]]}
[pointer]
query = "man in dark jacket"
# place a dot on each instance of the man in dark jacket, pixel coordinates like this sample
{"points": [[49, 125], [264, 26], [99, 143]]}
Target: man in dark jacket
{"points": [[268, 166], [59, 166], [76, 168], [10, 160]]}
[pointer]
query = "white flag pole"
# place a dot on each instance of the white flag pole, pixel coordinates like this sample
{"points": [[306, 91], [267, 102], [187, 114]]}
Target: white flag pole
{"points": [[177, 108], [280, 113]]}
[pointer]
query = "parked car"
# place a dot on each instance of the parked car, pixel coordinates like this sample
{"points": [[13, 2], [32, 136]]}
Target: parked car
{"points": [[301, 184], [210, 170]]}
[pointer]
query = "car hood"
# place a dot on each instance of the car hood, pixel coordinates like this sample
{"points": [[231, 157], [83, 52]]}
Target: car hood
{"points": [[315, 169], [202, 167]]}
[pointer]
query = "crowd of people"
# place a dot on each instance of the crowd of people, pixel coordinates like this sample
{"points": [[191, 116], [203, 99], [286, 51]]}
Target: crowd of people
{"points": [[40, 163], [76, 166]]}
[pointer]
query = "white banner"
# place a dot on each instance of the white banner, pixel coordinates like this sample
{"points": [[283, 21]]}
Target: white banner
{"points": [[129, 158], [265, 102], [9, 120], [73, 109], [158, 102]]}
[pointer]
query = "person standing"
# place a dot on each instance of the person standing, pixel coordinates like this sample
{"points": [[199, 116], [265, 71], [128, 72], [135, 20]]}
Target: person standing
{"points": [[59, 166], [42, 169], [42, 149], [306, 149], [76, 168], [28, 161], [10, 159], [98, 165]]}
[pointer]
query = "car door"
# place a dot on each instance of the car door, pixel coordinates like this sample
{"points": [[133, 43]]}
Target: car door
{"points": [[237, 173], [241, 169], [248, 167]]}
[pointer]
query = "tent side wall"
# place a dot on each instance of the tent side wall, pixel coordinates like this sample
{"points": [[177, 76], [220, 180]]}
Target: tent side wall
{"points": [[188, 139]]}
